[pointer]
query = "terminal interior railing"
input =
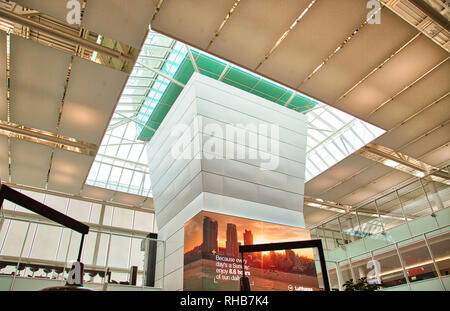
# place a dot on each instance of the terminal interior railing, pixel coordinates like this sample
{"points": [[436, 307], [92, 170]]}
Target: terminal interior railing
{"points": [[409, 261], [405, 230], [379, 218]]}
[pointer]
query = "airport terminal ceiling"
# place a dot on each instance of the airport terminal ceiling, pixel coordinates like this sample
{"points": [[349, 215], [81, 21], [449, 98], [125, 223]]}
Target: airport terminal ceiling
{"points": [[357, 82]]}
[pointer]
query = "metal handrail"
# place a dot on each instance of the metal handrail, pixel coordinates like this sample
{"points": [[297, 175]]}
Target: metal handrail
{"points": [[400, 241]]}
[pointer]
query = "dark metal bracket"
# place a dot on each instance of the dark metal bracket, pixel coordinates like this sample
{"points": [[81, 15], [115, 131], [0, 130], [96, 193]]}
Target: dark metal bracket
{"points": [[9, 194]]}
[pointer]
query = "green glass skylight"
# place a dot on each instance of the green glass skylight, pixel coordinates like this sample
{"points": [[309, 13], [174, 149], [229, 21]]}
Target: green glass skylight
{"points": [[179, 67]]}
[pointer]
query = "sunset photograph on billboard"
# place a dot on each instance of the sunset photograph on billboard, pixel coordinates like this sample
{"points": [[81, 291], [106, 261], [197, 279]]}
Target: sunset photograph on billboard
{"points": [[212, 260]]}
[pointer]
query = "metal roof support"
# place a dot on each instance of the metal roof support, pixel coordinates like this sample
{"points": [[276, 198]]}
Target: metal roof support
{"points": [[16, 18], [52, 140], [191, 57], [164, 75]]}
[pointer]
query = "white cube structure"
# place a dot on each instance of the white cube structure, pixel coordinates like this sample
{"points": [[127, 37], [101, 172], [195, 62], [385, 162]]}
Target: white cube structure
{"points": [[223, 150]]}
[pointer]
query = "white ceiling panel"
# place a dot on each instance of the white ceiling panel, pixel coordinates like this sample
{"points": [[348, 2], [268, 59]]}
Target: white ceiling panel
{"points": [[326, 25], [131, 18], [429, 89], [125, 21], [369, 48], [3, 158], [3, 83], [255, 27], [399, 72], [377, 186], [68, 171], [53, 8], [437, 157], [29, 163], [335, 174], [355, 182], [91, 97], [415, 127], [314, 215], [428, 143], [38, 74], [178, 18]]}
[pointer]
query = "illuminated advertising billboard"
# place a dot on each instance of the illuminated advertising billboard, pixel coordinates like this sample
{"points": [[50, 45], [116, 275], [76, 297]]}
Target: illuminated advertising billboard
{"points": [[212, 260]]}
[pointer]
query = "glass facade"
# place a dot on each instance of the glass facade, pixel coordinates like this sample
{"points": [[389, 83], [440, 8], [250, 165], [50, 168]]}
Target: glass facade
{"points": [[33, 247], [406, 231]]}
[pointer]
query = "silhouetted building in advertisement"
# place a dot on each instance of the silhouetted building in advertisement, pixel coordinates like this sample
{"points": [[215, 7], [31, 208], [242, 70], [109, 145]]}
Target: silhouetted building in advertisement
{"points": [[232, 246], [290, 255], [248, 237], [209, 235]]}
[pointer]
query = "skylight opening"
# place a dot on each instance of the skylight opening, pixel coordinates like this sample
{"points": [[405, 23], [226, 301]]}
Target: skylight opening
{"points": [[121, 163]]}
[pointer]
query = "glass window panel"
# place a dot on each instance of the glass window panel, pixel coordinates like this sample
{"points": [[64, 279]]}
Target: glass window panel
{"points": [[350, 227], [130, 133], [126, 177], [437, 194], [107, 218], [332, 276], [137, 180], [111, 150], [351, 138], [345, 271], [12, 244], [390, 210], [64, 244], [135, 152], [8, 205], [4, 224], [137, 81], [89, 248], [123, 151], [414, 202], [94, 170], [79, 210], [94, 216], [339, 154], [118, 255], [102, 249], [123, 218], [313, 234], [439, 245], [46, 242], [417, 261], [443, 191], [104, 171], [333, 227], [359, 266], [137, 256], [143, 221], [391, 269], [370, 224], [331, 120], [74, 247], [115, 175]]}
